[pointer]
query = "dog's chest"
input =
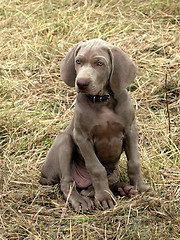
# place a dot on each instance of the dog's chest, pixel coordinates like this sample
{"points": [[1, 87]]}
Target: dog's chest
{"points": [[107, 135]]}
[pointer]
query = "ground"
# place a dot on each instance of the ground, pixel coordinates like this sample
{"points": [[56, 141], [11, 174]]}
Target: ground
{"points": [[36, 105]]}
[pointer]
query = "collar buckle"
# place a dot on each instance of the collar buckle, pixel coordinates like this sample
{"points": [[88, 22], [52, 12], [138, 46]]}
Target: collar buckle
{"points": [[94, 99]]}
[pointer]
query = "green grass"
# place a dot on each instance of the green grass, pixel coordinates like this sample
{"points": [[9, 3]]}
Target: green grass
{"points": [[35, 105]]}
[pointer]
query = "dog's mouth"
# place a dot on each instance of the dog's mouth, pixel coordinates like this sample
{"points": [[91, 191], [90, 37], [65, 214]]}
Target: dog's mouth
{"points": [[82, 85], [83, 89], [88, 90]]}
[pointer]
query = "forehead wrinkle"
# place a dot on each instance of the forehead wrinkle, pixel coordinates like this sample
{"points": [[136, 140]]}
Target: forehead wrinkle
{"points": [[93, 51]]}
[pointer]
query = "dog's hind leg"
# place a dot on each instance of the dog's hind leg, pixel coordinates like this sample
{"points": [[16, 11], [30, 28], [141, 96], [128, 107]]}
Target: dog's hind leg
{"points": [[58, 169]]}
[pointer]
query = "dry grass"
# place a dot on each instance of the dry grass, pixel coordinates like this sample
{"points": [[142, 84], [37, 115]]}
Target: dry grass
{"points": [[36, 105]]}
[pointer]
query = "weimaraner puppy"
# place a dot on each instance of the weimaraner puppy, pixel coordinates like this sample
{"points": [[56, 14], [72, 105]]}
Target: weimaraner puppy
{"points": [[86, 154]]}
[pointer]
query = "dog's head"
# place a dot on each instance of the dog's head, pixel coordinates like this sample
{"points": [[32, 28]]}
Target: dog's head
{"points": [[95, 66]]}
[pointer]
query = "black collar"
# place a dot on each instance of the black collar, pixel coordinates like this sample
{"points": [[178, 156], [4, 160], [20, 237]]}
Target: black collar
{"points": [[98, 98]]}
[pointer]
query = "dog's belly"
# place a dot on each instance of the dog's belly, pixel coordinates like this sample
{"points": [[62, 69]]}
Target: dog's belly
{"points": [[108, 142]]}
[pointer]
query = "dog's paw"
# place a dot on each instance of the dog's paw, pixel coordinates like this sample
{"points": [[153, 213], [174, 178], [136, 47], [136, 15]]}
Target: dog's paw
{"points": [[80, 202], [46, 181], [123, 189], [145, 188], [105, 200], [89, 192]]}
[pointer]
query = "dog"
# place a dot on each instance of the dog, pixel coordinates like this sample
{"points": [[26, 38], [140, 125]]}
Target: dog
{"points": [[85, 156]]}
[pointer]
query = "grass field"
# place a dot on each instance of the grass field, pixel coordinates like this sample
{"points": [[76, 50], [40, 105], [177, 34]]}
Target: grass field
{"points": [[35, 105]]}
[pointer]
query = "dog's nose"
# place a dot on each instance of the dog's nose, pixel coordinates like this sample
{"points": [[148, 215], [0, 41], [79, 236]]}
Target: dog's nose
{"points": [[82, 83]]}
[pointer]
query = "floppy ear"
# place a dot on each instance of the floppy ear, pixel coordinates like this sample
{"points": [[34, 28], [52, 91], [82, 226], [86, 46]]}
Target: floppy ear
{"points": [[123, 70], [67, 68]]}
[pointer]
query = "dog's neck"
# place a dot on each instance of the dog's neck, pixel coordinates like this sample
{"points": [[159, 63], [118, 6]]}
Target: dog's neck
{"points": [[99, 98]]}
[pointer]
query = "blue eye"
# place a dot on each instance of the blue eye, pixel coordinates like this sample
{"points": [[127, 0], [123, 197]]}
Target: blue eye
{"points": [[78, 61], [99, 63]]}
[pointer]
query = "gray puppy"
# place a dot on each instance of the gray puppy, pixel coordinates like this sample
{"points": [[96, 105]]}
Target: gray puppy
{"points": [[86, 154]]}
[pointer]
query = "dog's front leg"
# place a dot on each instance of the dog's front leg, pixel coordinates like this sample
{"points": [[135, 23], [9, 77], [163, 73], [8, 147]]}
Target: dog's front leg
{"points": [[134, 167], [103, 196]]}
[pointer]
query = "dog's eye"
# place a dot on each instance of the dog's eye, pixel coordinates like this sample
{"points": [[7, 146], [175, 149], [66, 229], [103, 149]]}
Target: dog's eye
{"points": [[78, 61], [99, 63]]}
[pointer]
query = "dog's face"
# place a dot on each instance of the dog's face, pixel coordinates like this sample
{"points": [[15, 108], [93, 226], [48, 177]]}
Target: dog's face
{"points": [[93, 69]]}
